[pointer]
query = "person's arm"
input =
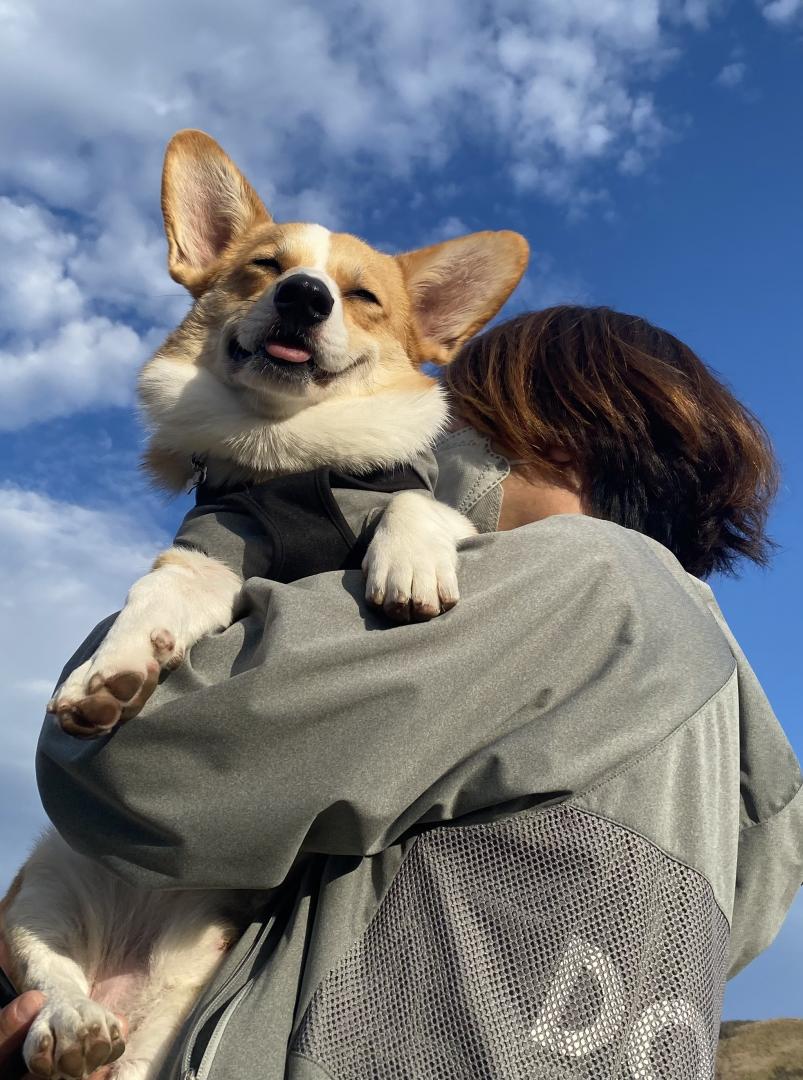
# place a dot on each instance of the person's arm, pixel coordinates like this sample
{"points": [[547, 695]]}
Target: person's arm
{"points": [[769, 802], [312, 726]]}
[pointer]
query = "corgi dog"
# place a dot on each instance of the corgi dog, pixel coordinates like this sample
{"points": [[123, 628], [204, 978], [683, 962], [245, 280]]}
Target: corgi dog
{"points": [[302, 349]]}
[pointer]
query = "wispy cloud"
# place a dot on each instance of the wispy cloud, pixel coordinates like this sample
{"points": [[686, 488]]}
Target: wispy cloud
{"points": [[450, 226], [782, 12], [732, 75], [545, 285], [291, 84]]}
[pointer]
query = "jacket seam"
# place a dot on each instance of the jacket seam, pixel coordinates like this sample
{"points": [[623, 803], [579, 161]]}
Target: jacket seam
{"points": [[375, 915], [773, 817], [633, 762], [658, 847], [315, 1064], [481, 484]]}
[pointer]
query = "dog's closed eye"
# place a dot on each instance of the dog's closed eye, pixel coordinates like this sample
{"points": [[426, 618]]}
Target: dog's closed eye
{"points": [[363, 294], [267, 264]]}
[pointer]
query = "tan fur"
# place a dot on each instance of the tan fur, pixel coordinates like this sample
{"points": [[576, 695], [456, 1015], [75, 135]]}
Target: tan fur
{"points": [[430, 301], [195, 150], [8, 899], [13, 892], [173, 557]]}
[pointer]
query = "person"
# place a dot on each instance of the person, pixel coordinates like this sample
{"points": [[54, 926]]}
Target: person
{"points": [[531, 837]]}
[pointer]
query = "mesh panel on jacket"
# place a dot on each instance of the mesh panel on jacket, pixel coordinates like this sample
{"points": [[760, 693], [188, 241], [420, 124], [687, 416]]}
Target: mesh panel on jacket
{"points": [[552, 945]]}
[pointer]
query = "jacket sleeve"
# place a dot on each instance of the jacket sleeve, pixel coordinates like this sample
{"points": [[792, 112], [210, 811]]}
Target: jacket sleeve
{"points": [[310, 725], [769, 867]]}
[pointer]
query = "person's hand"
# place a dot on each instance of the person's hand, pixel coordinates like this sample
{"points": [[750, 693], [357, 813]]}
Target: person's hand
{"points": [[15, 1020]]}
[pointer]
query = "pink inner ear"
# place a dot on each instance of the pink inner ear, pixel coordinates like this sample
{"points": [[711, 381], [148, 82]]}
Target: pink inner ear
{"points": [[448, 298], [209, 205], [208, 234], [206, 228]]}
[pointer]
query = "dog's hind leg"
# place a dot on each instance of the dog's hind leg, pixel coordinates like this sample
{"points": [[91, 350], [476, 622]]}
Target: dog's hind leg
{"points": [[47, 924]]}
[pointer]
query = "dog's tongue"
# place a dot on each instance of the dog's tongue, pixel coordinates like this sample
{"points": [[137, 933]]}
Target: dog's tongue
{"points": [[285, 352]]}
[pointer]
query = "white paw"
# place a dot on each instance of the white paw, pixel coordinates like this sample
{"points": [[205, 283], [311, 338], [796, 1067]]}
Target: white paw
{"points": [[115, 683], [411, 562], [68, 1040]]}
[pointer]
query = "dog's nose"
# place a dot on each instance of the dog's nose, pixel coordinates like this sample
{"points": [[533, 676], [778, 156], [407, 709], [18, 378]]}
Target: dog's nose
{"points": [[303, 300]]}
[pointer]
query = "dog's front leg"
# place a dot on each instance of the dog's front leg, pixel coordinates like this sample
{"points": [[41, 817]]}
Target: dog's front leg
{"points": [[185, 596], [411, 562]]}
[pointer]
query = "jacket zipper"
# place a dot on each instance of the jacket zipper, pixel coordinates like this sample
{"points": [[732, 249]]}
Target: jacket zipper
{"points": [[210, 1050], [186, 1072]]}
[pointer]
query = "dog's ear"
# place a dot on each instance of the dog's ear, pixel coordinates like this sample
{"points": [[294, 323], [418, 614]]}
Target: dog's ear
{"points": [[457, 286], [207, 204]]}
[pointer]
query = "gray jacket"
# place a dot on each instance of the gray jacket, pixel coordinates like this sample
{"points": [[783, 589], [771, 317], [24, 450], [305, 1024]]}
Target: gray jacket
{"points": [[528, 839]]}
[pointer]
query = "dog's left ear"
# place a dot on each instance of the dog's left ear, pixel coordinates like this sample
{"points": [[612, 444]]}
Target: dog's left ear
{"points": [[457, 286], [207, 204]]}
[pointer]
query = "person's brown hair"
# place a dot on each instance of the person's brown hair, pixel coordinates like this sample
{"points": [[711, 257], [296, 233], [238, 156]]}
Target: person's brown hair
{"points": [[658, 443]]}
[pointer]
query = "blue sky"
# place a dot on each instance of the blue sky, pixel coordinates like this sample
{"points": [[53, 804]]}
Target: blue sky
{"points": [[649, 150]]}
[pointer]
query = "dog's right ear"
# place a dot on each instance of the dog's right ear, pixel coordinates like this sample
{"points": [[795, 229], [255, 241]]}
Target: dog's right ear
{"points": [[207, 204]]}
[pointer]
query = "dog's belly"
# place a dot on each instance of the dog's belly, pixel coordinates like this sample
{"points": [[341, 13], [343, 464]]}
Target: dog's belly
{"points": [[122, 992], [152, 945]]}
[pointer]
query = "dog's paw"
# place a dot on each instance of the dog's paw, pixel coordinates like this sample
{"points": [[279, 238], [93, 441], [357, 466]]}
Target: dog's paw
{"points": [[113, 685], [69, 1040], [410, 585], [411, 562]]}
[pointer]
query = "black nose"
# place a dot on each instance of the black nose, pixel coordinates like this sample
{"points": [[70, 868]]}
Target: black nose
{"points": [[303, 300]]}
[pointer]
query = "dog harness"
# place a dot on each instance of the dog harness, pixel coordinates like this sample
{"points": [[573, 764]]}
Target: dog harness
{"points": [[289, 527]]}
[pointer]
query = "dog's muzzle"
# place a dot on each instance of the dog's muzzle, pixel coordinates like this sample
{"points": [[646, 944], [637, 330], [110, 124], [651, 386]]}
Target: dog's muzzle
{"points": [[302, 302]]}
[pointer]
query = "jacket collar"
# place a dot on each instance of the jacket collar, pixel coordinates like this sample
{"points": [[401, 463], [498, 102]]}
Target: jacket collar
{"points": [[470, 476]]}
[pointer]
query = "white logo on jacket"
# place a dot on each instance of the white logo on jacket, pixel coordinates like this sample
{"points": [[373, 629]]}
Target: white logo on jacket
{"points": [[582, 959]]}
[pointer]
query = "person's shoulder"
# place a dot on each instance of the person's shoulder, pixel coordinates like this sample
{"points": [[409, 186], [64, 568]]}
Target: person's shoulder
{"points": [[617, 567], [596, 540]]}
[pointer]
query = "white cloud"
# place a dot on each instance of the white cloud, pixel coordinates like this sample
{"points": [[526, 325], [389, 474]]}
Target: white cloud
{"points": [[64, 569], [732, 74], [447, 229], [35, 290], [290, 84], [86, 362], [120, 264], [58, 353], [319, 102], [781, 12], [699, 12]]}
